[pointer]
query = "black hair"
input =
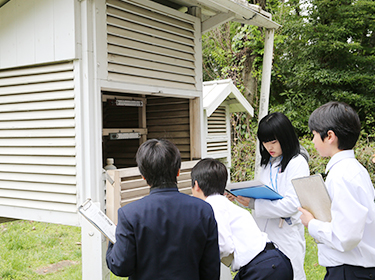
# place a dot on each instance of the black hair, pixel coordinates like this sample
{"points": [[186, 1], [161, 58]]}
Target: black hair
{"points": [[159, 162], [211, 175], [277, 126], [341, 119]]}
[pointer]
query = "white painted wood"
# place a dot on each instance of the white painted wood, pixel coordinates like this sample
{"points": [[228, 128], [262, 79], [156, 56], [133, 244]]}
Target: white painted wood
{"points": [[39, 160], [37, 141], [36, 31], [147, 42], [217, 20], [39, 187], [37, 205], [56, 217], [265, 87]]}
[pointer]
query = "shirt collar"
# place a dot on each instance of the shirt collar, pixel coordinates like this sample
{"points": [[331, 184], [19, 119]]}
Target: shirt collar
{"points": [[338, 157]]}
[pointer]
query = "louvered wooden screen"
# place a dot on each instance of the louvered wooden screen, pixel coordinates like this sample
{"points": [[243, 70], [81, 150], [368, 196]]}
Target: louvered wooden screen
{"points": [[37, 138], [148, 46], [128, 186], [168, 118], [217, 134]]}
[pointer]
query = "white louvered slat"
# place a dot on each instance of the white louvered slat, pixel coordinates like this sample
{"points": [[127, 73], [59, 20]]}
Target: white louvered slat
{"points": [[42, 205], [37, 138], [149, 46], [129, 48], [38, 115], [38, 160], [39, 187], [217, 136]]}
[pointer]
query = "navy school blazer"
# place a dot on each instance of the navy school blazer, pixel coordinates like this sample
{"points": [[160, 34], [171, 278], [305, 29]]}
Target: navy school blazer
{"points": [[166, 235]]}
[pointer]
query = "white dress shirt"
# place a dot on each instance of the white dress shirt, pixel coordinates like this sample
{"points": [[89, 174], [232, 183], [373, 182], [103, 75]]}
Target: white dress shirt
{"points": [[267, 213], [350, 237], [238, 232]]}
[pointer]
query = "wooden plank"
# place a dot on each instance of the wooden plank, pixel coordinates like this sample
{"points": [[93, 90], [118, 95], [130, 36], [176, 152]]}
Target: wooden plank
{"points": [[23, 71], [38, 115], [41, 205], [39, 187], [37, 160], [169, 43], [168, 121], [151, 14], [39, 196], [38, 124], [30, 97], [42, 87], [38, 169], [38, 178], [169, 128], [37, 133], [149, 64], [135, 31], [149, 81], [36, 106], [126, 47], [150, 23], [38, 142], [38, 151], [35, 79], [150, 73], [169, 135], [161, 115]]}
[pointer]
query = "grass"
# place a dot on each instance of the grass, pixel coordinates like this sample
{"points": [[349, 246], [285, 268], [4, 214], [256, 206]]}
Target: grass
{"points": [[31, 250]]}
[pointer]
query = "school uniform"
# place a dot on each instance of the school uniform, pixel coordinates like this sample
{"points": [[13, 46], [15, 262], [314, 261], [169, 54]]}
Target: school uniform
{"points": [[253, 254], [288, 233], [165, 235], [347, 244]]}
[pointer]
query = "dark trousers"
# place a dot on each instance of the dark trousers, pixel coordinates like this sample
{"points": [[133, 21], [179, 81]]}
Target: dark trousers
{"points": [[270, 264], [349, 272]]}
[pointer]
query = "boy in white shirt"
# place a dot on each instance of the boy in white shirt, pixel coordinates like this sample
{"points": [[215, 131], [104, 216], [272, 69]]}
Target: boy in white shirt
{"points": [[239, 236], [346, 244]]}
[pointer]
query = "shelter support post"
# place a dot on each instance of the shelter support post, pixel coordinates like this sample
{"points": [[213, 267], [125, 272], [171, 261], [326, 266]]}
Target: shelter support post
{"points": [[265, 86], [94, 246]]}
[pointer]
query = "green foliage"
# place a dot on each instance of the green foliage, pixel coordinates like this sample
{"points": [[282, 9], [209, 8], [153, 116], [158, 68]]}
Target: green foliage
{"points": [[327, 54]]}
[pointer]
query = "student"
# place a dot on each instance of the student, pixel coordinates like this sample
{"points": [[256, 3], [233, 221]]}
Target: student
{"points": [[346, 245], [281, 162], [166, 234], [253, 255]]}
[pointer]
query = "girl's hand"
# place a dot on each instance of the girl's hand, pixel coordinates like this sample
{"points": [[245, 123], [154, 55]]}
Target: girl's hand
{"points": [[306, 216]]}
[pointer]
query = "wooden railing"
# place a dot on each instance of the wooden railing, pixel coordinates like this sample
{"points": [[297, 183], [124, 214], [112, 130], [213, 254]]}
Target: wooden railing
{"points": [[127, 185]]}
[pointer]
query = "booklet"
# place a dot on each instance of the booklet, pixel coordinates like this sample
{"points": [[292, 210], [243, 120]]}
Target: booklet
{"points": [[313, 196], [254, 189], [98, 219]]}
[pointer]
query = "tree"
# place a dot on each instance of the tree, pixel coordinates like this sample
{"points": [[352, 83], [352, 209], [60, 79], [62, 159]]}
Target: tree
{"points": [[327, 54]]}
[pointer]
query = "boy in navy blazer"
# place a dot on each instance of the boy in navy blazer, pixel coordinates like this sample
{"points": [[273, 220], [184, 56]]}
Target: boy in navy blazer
{"points": [[167, 234]]}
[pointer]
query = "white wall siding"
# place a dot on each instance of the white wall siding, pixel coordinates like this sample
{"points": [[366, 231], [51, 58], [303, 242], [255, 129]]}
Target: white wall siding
{"points": [[148, 45], [36, 31], [37, 142]]}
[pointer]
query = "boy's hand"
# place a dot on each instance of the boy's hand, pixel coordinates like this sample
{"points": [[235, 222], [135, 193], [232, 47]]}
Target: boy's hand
{"points": [[306, 216], [244, 201], [231, 197]]}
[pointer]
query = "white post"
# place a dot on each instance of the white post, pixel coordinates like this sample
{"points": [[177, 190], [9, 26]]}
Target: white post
{"points": [[265, 86], [89, 138]]}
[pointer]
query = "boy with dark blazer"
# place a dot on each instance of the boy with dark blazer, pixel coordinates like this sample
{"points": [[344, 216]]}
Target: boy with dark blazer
{"points": [[167, 234]]}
